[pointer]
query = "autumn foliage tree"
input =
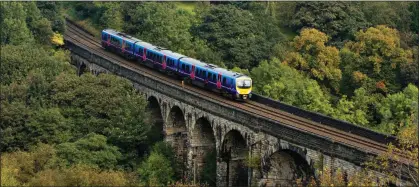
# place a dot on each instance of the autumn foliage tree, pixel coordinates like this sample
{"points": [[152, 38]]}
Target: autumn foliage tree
{"points": [[313, 57], [376, 54]]}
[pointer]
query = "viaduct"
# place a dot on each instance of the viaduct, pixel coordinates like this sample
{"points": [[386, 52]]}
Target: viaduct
{"points": [[242, 148]]}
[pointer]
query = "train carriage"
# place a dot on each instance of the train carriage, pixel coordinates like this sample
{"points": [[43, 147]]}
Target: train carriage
{"points": [[232, 84]]}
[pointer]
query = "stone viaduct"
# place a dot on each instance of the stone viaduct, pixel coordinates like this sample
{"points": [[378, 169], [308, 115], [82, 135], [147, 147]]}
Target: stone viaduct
{"points": [[214, 139]]}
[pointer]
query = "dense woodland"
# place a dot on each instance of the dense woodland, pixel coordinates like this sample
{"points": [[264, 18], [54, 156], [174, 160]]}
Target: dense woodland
{"points": [[354, 61]]}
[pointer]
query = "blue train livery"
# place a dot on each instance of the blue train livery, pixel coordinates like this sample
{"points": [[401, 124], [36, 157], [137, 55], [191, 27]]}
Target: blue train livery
{"points": [[231, 84]]}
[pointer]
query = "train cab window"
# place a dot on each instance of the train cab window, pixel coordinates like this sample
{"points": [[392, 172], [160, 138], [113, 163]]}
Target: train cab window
{"points": [[104, 36]]}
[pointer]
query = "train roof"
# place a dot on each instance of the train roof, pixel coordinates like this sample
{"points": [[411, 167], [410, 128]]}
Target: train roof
{"points": [[146, 45], [122, 35], [194, 61], [213, 67], [172, 54]]}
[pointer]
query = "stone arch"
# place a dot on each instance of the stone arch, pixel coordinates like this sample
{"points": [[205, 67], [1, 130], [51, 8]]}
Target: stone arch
{"points": [[204, 163], [285, 166], [177, 135], [233, 154], [81, 69], [156, 132]]}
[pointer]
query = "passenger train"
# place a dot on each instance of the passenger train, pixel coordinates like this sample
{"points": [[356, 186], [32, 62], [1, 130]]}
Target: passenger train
{"points": [[231, 84]]}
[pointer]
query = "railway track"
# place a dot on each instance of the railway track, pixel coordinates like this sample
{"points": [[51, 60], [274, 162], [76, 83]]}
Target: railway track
{"points": [[79, 36]]}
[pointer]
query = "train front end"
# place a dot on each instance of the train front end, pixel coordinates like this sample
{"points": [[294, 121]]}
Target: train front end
{"points": [[243, 87]]}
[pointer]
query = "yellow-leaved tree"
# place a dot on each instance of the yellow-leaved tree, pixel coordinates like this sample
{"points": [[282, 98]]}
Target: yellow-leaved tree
{"points": [[313, 57]]}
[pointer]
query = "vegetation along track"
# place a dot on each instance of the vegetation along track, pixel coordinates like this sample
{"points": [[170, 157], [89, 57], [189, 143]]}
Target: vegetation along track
{"points": [[80, 36]]}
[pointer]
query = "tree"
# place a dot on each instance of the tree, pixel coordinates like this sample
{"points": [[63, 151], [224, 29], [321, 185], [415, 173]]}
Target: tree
{"points": [[316, 59], [90, 150], [391, 163], [339, 20], [106, 105], [234, 34], [414, 8], [13, 21], [37, 24], [156, 170], [410, 71], [392, 14], [159, 23], [396, 110], [377, 54], [42, 167], [347, 111], [53, 12], [283, 83]]}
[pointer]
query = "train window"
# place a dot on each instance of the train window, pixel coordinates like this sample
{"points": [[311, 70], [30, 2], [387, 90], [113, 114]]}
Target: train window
{"points": [[224, 81], [203, 74], [187, 69], [127, 46], [214, 78], [140, 51], [183, 67], [209, 75]]}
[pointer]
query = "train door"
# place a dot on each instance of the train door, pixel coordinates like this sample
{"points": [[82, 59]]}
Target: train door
{"points": [[193, 72], [219, 81], [163, 65], [123, 46], [144, 54]]}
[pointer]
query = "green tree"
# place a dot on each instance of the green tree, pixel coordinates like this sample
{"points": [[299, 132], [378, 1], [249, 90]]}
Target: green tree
{"points": [[313, 57], [159, 23], [339, 20], [396, 110], [414, 8], [283, 83], [106, 105], [53, 12], [234, 34], [156, 170], [90, 150], [13, 22], [37, 24], [392, 14]]}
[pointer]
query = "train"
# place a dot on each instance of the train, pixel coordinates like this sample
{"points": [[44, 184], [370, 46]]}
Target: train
{"points": [[230, 84]]}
